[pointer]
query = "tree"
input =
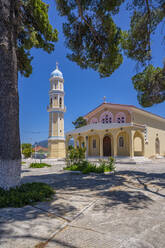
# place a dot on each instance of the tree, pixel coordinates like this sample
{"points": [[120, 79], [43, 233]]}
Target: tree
{"points": [[96, 42], [23, 24], [79, 122], [27, 150]]}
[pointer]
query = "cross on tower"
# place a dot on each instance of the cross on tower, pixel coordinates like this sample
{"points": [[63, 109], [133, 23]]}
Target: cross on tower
{"points": [[57, 65], [104, 99]]}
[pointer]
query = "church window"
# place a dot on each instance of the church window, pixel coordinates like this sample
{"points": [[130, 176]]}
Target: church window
{"points": [[60, 102], [51, 102], [106, 117], [94, 144], [120, 117], [94, 121], [121, 141]]}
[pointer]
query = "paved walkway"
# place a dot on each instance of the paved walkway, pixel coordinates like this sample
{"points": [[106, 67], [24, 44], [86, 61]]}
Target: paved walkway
{"points": [[124, 210]]}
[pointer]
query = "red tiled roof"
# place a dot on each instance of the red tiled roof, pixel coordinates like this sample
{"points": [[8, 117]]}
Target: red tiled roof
{"points": [[40, 148]]}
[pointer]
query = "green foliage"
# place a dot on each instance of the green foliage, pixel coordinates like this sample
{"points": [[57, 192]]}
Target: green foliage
{"points": [[75, 156], [33, 30], [150, 85], [26, 194], [39, 165], [27, 150], [91, 34], [86, 167], [96, 42], [79, 122]]}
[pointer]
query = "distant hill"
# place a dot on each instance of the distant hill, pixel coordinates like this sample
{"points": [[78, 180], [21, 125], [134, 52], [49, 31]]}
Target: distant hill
{"points": [[43, 143]]}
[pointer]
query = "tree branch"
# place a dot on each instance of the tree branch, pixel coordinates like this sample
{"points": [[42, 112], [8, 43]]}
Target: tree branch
{"points": [[86, 22]]}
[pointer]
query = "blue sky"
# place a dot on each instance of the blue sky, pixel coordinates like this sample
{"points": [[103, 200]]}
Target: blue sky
{"points": [[84, 89]]}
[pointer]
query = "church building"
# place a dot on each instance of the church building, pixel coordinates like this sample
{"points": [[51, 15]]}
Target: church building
{"points": [[116, 130], [120, 130]]}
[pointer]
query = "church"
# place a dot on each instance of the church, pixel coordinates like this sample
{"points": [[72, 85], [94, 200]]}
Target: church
{"points": [[116, 130]]}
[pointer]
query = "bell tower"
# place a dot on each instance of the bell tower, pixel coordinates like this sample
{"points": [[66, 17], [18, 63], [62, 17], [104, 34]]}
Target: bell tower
{"points": [[56, 109]]}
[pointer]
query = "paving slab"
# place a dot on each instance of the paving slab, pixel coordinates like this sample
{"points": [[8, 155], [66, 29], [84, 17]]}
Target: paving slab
{"points": [[121, 210]]}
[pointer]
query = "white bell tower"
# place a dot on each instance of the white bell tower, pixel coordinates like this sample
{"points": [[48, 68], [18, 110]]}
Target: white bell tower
{"points": [[56, 109]]}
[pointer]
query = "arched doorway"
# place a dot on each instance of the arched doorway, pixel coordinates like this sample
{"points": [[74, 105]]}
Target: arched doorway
{"points": [[157, 146], [138, 144], [107, 146]]}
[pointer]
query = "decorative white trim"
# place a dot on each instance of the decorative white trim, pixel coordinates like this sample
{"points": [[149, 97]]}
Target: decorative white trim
{"points": [[56, 91], [56, 138]]}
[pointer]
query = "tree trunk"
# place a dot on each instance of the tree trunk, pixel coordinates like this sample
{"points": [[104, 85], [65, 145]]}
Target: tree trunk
{"points": [[10, 157]]}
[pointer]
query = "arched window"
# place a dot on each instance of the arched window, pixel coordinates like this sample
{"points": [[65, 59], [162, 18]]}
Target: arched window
{"points": [[94, 120], [120, 117], [157, 146], [60, 102], [106, 117], [121, 141], [51, 102]]}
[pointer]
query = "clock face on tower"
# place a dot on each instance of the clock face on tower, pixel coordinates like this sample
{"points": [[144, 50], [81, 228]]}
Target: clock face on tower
{"points": [[56, 109]]}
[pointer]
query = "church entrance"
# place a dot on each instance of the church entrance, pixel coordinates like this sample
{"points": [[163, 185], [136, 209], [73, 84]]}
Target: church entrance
{"points": [[107, 146]]}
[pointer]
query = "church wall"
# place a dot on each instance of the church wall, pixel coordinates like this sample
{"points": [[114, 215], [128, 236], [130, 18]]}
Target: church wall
{"points": [[50, 124], [56, 148], [123, 151], [55, 124], [61, 125], [94, 151], [145, 119], [56, 101], [154, 133]]}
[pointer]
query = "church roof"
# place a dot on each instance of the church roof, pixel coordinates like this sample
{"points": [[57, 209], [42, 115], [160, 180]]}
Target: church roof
{"points": [[101, 126], [129, 107]]}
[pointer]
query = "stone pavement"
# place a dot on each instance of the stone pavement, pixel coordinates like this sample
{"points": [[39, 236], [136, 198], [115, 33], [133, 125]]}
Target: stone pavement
{"points": [[121, 210]]}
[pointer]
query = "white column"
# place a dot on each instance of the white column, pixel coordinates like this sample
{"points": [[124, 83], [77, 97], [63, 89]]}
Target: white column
{"points": [[101, 144], [131, 146], [52, 121], [86, 145]]}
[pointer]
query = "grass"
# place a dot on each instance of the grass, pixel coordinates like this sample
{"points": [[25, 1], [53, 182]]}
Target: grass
{"points": [[39, 165], [23, 162], [86, 167], [26, 194]]}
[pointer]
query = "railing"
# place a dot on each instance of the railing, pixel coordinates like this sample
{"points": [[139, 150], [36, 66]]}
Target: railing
{"points": [[56, 108]]}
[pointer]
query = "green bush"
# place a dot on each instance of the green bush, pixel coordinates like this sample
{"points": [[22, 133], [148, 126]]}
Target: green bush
{"points": [[26, 194], [75, 156], [86, 167], [39, 165]]}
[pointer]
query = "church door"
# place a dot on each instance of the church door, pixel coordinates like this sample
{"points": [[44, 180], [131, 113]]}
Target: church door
{"points": [[107, 146]]}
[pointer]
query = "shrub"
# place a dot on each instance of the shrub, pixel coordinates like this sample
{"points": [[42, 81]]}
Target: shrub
{"points": [[75, 156], [107, 165], [39, 165], [26, 194], [87, 167]]}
